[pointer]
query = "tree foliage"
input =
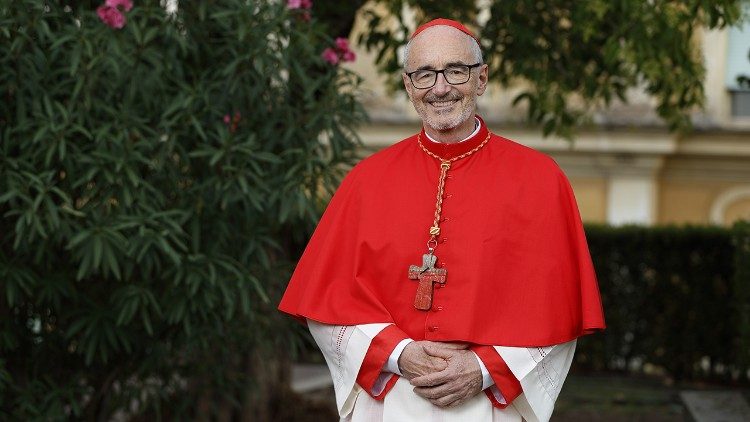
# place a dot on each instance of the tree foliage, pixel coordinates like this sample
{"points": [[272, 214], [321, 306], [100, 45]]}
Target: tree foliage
{"points": [[572, 57], [156, 183]]}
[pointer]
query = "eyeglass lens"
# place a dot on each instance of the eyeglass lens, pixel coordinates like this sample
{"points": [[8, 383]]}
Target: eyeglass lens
{"points": [[454, 75]]}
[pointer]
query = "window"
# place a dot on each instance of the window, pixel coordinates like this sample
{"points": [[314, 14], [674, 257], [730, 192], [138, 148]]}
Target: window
{"points": [[740, 103], [738, 64]]}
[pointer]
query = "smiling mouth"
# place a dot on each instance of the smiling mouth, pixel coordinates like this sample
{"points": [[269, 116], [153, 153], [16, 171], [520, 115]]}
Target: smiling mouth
{"points": [[443, 104]]}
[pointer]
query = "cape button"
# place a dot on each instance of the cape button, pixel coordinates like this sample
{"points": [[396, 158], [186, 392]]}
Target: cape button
{"points": [[433, 328], [438, 308], [443, 239]]}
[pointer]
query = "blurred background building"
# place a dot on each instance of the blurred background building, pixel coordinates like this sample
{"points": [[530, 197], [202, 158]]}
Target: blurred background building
{"points": [[626, 167]]}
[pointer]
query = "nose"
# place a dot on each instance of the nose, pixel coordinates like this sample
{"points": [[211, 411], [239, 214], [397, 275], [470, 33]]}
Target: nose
{"points": [[441, 86]]}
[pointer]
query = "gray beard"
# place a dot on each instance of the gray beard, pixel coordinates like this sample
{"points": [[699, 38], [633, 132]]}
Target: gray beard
{"points": [[442, 125]]}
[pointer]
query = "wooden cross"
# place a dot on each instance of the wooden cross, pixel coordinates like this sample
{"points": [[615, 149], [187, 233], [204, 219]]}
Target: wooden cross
{"points": [[427, 275]]}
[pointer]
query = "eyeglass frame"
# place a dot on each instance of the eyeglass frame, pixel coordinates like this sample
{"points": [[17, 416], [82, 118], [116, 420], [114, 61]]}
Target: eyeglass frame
{"points": [[442, 71]]}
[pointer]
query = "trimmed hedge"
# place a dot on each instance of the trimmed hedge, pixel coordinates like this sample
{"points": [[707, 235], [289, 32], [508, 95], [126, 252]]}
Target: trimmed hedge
{"points": [[676, 299], [741, 303]]}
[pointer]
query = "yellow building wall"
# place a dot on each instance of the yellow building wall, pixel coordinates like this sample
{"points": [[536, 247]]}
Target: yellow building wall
{"points": [[690, 201], [739, 210], [591, 195], [690, 173]]}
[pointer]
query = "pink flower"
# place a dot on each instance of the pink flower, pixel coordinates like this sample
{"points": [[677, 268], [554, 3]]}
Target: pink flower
{"points": [[111, 16], [304, 6], [342, 44], [232, 122], [330, 56], [348, 56], [122, 5]]}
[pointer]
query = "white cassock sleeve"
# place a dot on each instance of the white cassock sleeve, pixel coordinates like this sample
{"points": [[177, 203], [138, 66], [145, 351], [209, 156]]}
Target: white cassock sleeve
{"points": [[540, 370], [344, 348]]}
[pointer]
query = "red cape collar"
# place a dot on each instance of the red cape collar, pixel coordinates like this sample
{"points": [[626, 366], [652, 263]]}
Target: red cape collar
{"points": [[448, 151]]}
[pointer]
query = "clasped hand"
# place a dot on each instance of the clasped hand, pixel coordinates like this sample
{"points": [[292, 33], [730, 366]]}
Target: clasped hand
{"points": [[446, 374]]}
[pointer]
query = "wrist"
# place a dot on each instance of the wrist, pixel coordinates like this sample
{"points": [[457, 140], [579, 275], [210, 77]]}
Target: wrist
{"points": [[400, 360], [393, 365]]}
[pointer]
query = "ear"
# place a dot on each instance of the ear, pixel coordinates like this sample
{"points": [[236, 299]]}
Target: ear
{"points": [[407, 84], [483, 77]]}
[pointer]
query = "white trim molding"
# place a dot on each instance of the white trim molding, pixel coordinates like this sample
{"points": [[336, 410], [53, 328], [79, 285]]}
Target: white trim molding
{"points": [[724, 200]]}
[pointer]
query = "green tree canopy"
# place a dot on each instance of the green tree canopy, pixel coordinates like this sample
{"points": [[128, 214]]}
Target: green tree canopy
{"points": [[573, 56]]}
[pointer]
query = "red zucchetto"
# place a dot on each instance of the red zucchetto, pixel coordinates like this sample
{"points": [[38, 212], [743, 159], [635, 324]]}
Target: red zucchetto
{"points": [[445, 22]]}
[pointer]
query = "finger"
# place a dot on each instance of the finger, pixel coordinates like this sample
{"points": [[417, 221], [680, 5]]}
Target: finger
{"points": [[434, 392], [438, 364], [440, 352], [456, 403], [446, 400], [431, 380]]}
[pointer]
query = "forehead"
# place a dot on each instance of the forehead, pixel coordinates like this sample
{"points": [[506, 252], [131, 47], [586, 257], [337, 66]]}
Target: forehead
{"points": [[439, 45]]}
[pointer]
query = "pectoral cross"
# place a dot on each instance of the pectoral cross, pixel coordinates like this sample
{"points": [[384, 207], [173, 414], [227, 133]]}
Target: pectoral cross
{"points": [[427, 275]]}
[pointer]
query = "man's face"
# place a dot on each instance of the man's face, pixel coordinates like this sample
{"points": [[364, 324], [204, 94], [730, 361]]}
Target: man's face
{"points": [[444, 106]]}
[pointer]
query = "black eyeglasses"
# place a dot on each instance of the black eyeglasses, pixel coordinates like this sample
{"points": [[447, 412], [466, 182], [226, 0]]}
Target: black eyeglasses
{"points": [[454, 75]]}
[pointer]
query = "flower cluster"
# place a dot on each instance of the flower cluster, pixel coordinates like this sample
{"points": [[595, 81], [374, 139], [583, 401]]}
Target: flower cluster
{"points": [[299, 4], [303, 5], [339, 53], [232, 121], [112, 12]]}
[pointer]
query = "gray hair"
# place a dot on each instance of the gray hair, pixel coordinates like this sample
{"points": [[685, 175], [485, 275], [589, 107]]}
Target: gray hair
{"points": [[476, 51]]}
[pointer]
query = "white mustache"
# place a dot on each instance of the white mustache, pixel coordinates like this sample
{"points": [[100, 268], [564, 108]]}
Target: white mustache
{"points": [[451, 96]]}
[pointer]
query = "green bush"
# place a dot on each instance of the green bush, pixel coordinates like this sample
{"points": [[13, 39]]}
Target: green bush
{"points": [[675, 298], [145, 239]]}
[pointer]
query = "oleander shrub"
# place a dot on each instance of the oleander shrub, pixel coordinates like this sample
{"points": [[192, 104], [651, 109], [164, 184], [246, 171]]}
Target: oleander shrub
{"points": [[158, 177]]}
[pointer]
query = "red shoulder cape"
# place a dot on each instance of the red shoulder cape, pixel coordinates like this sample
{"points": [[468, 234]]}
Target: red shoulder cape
{"points": [[519, 270]]}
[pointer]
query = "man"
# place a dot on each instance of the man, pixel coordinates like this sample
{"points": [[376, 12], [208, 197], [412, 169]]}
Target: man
{"points": [[449, 264]]}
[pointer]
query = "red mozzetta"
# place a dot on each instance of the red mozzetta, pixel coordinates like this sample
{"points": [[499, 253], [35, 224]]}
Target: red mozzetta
{"points": [[518, 267]]}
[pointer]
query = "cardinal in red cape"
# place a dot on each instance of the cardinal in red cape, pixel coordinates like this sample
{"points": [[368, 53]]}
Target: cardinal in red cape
{"points": [[449, 277]]}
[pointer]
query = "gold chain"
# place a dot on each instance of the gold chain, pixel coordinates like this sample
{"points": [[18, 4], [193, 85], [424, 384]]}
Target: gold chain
{"points": [[456, 158], [445, 165]]}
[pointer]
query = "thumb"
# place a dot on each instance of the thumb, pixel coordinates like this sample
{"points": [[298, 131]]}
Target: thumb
{"points": [[437, 351], [454, 346]]}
